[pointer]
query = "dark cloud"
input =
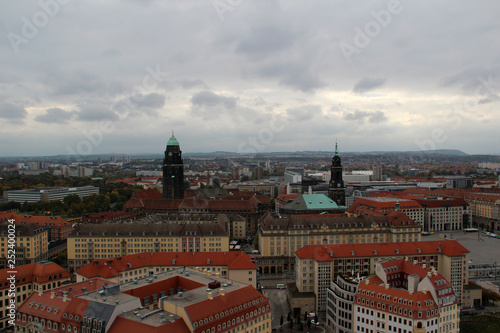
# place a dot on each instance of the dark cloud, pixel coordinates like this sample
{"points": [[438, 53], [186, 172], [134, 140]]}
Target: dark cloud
{"points": [[188, 83], [55, 116], [296, 75], [303, 113], [377, 117], [366, 85], [152, 100], [12, 112], [264, 41], [362, 116], [95, 111], [210, 99]]}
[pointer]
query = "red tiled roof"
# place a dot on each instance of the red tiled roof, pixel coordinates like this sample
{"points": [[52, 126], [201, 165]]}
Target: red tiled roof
{"points": [[148, 194], [39, 220], [35, 271], [376, 286], [57, 301], [107, 268], [447, 247], [122, 324], [220, 304]]}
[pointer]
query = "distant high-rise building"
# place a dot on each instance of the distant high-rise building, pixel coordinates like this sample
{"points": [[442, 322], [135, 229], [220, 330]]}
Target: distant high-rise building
{"points": [[377, 172], [173, 170], [235, 173], [336, 189], [259, 172]]}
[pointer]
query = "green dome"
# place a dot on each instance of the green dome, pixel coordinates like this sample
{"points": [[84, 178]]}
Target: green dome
{"points": [[173, 141]]}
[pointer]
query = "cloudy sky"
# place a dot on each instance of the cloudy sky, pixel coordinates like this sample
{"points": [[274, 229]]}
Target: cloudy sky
{"points": [[248, 76]]}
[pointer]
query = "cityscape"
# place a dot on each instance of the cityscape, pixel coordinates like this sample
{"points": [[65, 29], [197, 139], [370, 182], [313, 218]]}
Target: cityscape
{"points": [[249, 166]]}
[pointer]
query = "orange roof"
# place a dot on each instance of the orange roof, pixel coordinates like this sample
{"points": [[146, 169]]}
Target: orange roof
{"points": [[39, 272], [57, 301], [39, 220], [448, 247], [107, 268], [220, 304], [122, 324]]}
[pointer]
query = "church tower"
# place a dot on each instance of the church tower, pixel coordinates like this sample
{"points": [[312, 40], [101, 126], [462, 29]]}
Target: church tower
{"points": [[336, 189], [173, 171]]}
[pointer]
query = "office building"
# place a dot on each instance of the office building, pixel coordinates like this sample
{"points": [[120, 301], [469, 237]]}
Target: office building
{"points": [[281, 236], [46, 194], [89, 242]]}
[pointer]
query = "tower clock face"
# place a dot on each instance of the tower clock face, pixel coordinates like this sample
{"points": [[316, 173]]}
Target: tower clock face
{"points": [[338, 184], [169, 153]]}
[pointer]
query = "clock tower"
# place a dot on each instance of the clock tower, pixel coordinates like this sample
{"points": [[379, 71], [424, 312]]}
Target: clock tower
{"points": [[173, 171], [336, 189]]}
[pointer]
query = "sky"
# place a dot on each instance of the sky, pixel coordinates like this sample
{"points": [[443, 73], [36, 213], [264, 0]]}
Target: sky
{"points": [[248, 76]]}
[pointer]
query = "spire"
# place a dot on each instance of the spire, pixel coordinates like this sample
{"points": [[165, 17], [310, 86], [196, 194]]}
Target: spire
{"points": [[172, 132], [336, 149]]}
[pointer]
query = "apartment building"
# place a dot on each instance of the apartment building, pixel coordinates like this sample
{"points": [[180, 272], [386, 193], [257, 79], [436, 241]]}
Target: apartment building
{"points": [[318, 265], [180, 300], [403, 297], [28, 278], [101, 241], [281, 236], [236, 266], [31, 243]]}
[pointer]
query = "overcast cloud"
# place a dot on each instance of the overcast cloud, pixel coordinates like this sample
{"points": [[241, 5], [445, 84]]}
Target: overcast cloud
{"points": [[217, 76]]}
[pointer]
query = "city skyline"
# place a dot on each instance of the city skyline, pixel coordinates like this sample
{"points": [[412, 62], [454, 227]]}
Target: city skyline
{"points": [[248, 77]]}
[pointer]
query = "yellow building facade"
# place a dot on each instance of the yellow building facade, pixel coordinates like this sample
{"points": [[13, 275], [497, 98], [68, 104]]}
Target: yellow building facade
{"points": [[94, 242]]}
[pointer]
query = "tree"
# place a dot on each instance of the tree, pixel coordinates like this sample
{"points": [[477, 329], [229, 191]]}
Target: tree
{"points": [[72, 199]]}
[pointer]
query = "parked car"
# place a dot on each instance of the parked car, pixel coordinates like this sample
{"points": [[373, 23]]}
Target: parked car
{"points": [[480, 307], [316, 323]]}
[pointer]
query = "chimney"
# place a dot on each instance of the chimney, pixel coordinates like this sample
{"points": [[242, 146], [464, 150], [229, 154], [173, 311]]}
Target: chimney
{"points": [[367, 282], [406, 259], [210, 296], [209, 273], [386, 286], [424, 266], [65, 298], [221, 292], [40, 292], [217, 275], [415, 262], [425, 291], [52, 294], [410, 292]]}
